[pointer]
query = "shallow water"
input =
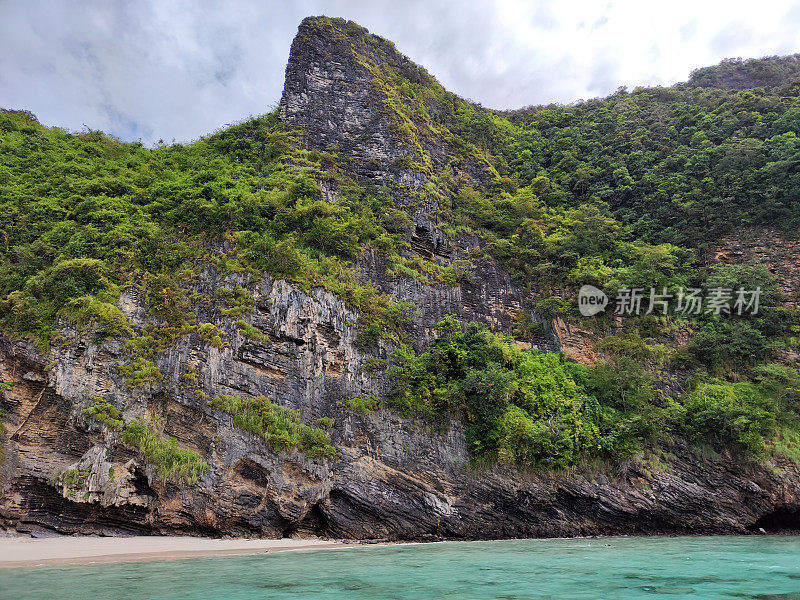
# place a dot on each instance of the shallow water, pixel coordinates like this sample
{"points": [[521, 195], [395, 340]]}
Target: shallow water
{"points": [[760, 567]]}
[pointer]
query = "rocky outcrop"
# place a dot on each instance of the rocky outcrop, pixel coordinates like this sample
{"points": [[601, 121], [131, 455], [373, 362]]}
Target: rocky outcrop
{"points": [[329, 93], [306, 356], [391, 477], [339, 90], [338, 93]]}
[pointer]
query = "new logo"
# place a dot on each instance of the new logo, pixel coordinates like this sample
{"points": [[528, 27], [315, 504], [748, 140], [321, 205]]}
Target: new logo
{"points": [[591, 300]]}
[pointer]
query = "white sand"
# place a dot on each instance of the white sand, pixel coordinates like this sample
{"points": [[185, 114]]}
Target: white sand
{"points": [[28, 552]]}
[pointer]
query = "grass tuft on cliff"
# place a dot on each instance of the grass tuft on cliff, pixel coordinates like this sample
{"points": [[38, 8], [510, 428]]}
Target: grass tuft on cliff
{"points": [[172, 463], [278, 425], [104, 412]]}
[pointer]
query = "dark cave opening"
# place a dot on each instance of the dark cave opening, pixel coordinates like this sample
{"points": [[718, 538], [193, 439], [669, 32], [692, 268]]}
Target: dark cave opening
{"points": [[781, 519], [314, 523]]}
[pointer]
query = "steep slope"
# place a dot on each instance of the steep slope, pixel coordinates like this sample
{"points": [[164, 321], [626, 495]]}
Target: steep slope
{"points": [[354, 92], [343, 258]]}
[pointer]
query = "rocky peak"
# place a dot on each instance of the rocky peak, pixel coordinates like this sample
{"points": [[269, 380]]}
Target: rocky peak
{"points": [[353, 93], [332, 92]]}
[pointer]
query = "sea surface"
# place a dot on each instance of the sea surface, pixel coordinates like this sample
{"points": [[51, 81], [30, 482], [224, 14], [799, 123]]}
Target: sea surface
{"points": [[762, 567]]}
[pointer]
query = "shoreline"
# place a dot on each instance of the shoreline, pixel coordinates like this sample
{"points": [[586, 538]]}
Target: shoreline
{"points": [[68, 550], [20, 552]]}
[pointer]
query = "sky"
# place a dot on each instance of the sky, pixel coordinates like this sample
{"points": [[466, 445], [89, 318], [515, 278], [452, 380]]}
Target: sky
{"points": [[169, 70]]}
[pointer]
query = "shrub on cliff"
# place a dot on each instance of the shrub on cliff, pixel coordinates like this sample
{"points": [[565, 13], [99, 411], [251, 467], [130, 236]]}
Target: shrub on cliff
{"points": [[278, 425], [524, 407], [741, 416], [104, 412], [171, 462]]}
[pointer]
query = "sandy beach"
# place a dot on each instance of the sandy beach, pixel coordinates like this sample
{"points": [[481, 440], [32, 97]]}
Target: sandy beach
{"points": [[68, 550]]}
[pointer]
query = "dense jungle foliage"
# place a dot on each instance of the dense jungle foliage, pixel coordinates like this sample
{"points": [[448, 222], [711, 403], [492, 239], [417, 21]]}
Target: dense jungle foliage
{"points": [[630, 190]]}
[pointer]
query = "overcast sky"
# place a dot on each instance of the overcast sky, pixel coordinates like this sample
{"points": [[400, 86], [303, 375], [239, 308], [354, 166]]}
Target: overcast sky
{"points": [[180, 69]]}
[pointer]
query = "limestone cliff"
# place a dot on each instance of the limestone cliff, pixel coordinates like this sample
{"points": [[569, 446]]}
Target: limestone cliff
{"points": [[391, 477], [340, 91]]}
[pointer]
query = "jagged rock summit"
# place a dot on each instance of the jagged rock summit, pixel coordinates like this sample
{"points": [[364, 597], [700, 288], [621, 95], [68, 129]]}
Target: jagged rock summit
{"points": [[352, 92]]}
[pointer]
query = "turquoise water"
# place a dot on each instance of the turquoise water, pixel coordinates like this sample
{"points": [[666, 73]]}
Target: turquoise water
{"points": [[761, 567]]}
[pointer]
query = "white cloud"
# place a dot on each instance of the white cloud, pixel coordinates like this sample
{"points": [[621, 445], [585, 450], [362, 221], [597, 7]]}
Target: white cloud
{"points": [[179, 69]]}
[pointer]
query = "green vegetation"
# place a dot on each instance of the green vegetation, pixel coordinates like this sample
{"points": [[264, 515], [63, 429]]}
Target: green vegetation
{"points": [[86, 213], [735, 73], [73, 478], [731, 415], [626, 191], [104, 412], [522, 407], [212, 335], [141, 371], [191, 375], [278, 425], [172, 463], [238, 301], [533, 408], [678, 165], [363, 405], [107, 317], [249, 331]]}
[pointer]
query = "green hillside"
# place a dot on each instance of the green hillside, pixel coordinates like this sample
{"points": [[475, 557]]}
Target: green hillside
{"points": [[633, 190]]}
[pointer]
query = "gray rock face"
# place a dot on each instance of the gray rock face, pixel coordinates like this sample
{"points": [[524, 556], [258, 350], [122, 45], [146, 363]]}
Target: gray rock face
{"points": [[392, 477], [336, 94], [330, 94], [65, 472]]}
